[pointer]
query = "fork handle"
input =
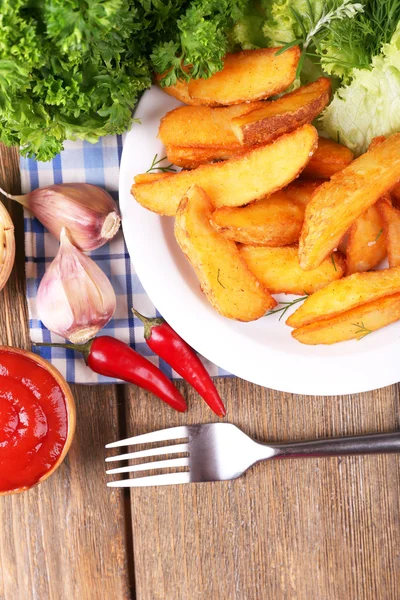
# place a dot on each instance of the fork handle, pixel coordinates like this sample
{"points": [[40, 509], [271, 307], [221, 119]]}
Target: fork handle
{"points": [[378, 443]]}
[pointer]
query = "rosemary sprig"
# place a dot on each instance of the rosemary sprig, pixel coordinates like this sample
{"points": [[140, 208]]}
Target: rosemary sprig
{"points": [[379, 235], [285, 307], [155, 166], [333, 262], [362, 331]]}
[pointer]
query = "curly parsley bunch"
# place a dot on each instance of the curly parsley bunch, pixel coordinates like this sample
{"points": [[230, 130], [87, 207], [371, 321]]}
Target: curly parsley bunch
{"points": [[74, 70]]}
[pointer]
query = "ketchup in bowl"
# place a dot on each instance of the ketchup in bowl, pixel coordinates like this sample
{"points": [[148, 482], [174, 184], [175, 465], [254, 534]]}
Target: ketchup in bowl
{"points": [[37, 419]]}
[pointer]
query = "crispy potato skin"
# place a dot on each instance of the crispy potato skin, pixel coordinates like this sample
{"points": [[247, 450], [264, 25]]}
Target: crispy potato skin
{"points": [[189, 157], [376, 141], [391, 223], [247, 76], [180, 91], [148, 177], [339, 202], [273, 221], [353, 324], [272, 119], [328, 159], [395, 191], [366, 246], [225, 279], [346, 294], [203, 126], [302, 191], [238, 181], [279, 271]]}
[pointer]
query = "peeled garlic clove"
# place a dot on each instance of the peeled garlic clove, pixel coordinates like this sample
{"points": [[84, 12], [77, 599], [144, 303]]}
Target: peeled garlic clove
{"points": [[88, 212], [75, 299], [7, 245]]}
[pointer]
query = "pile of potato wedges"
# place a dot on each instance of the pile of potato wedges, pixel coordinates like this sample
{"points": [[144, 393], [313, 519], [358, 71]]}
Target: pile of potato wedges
{"points": [[265, 206]]}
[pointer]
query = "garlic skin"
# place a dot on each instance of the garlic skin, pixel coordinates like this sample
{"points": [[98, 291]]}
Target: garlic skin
{"points": [[88, 212], [75, 299]]}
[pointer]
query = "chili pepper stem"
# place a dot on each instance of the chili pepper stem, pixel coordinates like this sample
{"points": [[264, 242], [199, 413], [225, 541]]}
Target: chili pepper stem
{"points": [[148, 323], [82, 348]]}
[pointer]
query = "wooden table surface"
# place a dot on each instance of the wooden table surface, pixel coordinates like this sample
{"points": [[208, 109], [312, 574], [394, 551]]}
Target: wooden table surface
{"points": [[320, 529]]}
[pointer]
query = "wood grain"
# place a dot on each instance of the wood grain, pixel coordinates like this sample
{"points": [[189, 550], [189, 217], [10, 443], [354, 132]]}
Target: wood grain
{"points": [[65, 538], [325, 529]]}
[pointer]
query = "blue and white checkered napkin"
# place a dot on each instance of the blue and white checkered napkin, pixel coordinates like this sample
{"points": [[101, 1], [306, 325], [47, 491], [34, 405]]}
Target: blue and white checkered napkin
{"points": [[97, 164]]}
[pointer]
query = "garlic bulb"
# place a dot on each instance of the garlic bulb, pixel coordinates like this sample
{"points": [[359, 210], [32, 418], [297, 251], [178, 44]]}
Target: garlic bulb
{"points": [[7, 245], [75, 299], [89, 213]]}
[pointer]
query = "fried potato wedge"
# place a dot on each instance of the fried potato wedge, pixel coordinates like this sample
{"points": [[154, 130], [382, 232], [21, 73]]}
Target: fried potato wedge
{"points": [[302, 191], [273, 221], [329, 158], [238, 181], [395, 191], [148, 177], [353, 324], [203, 126], [279, 271], [366, 246], [376, 141], [189, 157], [338, 203], [180, 91], [267, 122], [247, 76], [228, 283], [391, 223], [346, 294]]}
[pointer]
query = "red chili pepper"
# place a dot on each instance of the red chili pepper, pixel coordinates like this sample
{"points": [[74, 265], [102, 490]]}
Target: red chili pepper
{"points": [[107, 356], [165, 342]]}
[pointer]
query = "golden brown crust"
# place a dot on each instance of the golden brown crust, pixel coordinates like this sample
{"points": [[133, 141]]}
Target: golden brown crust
{"points": [[149, 177], [273, 221], [264, 124], [191, 158], [202, 126], [328, 159], [238, 181], [351, 325], [338, 203], [247, 76], [279, 271], [391, 223], [224, 278], [366, 246], [346, 294]]}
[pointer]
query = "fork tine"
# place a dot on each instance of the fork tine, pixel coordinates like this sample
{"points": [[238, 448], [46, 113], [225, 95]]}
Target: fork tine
{"points": [[175, 449], [149, 466], [172, 433], [165, 479]]}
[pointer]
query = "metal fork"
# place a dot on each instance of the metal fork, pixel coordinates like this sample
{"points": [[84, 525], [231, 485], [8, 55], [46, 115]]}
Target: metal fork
{"points": [[220, 451]]}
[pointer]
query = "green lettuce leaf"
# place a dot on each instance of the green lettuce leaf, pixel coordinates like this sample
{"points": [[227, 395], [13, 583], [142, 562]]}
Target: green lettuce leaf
{"points": [[281, 25], [370, 105]]}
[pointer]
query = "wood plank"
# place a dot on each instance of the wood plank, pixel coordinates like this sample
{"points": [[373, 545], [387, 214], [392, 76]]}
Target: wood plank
{"points": [[65, 538], [316, 528]]}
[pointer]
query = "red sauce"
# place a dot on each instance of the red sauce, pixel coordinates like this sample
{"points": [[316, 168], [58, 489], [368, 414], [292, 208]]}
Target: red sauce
{"points": [[33, 421]]}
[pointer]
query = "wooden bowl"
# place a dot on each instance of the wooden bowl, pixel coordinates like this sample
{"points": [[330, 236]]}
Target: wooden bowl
{"points": [[7, 245], [71, 410]]}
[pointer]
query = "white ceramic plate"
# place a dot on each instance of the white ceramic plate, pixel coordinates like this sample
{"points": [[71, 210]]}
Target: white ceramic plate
{"points": [[262, 352]]}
